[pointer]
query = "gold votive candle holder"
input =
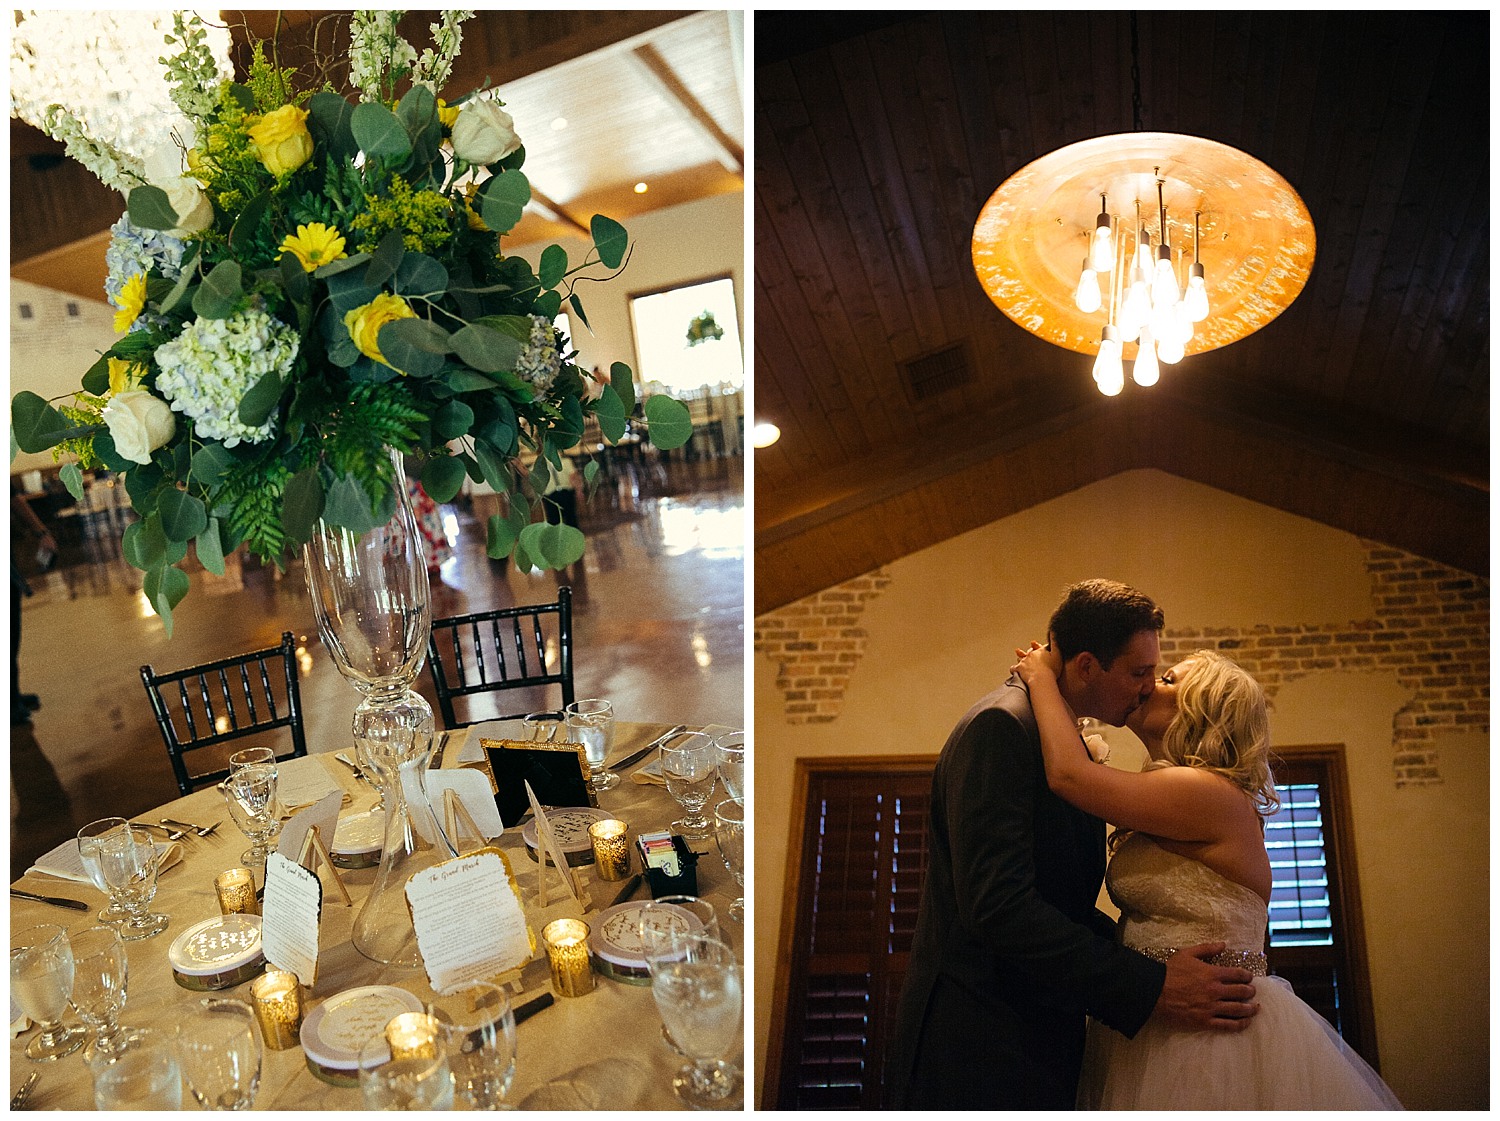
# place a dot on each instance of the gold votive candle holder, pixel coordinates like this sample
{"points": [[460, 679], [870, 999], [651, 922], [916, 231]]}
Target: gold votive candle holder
{"points": [[276, 997], [567, 942], [611, 839], [413, 1035], [236, 891]]}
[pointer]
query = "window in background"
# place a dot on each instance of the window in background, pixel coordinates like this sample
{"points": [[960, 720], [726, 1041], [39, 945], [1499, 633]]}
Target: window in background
{"points": [[689, 337]]}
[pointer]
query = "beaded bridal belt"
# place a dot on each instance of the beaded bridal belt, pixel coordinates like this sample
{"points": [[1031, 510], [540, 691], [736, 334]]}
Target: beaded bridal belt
{"points": [[1252, 960]]}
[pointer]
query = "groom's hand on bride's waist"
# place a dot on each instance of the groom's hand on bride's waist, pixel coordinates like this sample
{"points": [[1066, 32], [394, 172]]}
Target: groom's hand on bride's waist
{"points": [[1197, 996]]}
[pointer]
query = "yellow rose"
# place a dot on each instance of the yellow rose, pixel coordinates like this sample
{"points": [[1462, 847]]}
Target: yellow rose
{"points": [[281, 140], [365, 322]]}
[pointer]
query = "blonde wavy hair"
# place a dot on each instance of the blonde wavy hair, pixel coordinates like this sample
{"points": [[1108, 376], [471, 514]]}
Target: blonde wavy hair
{"points": [[1222, 725]]}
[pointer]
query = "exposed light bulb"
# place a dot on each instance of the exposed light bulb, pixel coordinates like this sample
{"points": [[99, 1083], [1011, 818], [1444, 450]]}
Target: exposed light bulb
{"points": [[1182, 322], [1146, 371], [1102, 250], [764, 434], [1164, 291], [1170, 349], [1197, 293], [1145, 259], [1087, 295], [1109, 370]]}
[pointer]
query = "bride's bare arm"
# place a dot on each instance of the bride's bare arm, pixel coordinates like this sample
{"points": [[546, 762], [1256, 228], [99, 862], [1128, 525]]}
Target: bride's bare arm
{"points": [[1181, 803]]}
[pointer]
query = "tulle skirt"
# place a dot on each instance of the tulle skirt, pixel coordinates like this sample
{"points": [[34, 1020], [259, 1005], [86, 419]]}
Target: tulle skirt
{"points": [[1288, 1058]]}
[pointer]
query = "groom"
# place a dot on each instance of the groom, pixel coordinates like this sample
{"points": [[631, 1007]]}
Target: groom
{"points": [[1010, 955]]}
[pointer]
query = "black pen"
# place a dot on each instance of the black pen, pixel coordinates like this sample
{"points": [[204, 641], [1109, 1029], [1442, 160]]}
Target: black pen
{"points": [[532, 1007]]}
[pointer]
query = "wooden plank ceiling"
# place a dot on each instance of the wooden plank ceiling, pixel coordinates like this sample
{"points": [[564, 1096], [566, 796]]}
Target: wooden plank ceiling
{"points": [[878, 138], [649, 96]]}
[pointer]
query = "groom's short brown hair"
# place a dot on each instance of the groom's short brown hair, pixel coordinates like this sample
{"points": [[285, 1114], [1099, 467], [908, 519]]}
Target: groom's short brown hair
{"points": [[1101, 617]]}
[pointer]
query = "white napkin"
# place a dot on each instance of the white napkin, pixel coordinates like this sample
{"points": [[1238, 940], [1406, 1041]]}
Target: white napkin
{"points": [[302, 782], [64, 863]]}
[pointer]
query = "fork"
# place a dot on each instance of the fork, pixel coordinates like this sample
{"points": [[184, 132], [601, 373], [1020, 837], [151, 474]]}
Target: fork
{"points": [[172, 834], [201, 830], [25, 1091]]}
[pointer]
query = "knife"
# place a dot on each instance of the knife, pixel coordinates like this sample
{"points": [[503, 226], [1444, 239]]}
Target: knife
{"points": [[55, 900], [637, 756], [532, 1007]]}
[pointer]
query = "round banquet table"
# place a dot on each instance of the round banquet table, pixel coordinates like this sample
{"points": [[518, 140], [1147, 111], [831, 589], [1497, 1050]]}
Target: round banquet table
{"points": [[602, 1050]]}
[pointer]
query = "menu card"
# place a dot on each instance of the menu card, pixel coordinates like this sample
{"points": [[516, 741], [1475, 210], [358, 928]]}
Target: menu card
{"points": [[468, 918], [289, 917]]}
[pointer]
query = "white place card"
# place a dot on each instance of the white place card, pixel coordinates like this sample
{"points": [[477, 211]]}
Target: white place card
{"points": [[468, 918], [301, 782], [324, 814], [290, 912], [473, 791]]}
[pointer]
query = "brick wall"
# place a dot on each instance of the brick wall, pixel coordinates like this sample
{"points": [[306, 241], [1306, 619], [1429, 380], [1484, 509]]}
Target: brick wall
{"points": [[1430, 627]]}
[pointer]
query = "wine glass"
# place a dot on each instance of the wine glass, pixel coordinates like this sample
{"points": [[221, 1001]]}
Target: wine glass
{"points": [[730, 832], [141, 1073], [689, 764], [592, 723], [542, 727], [731, 748], [130, 864], [41, 980], [412, 1083], [250, 794], [479, 1034], [221, 1053], [700, 996], [88, 852], [100, 971]]}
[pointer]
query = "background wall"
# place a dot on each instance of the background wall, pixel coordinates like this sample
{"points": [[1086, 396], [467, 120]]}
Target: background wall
{"points": [[1357, 644]]}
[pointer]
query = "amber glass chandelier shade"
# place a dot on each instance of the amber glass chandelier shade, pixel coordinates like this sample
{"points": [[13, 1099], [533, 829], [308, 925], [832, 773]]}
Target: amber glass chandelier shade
{"points": [[1255, 237]]}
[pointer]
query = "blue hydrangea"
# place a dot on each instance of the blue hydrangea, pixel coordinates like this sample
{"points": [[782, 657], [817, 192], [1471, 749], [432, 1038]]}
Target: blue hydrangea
{"points": [[133, 250], [207, 370], [540, 358]]}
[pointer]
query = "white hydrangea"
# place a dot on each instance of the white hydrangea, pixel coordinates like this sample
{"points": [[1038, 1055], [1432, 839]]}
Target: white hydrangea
{"points": [[207, 370], [540, 359]]}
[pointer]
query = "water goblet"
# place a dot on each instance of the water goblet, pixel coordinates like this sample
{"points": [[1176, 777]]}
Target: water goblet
{"points": [[416, 1082], [592, 723], [700, 997], [729, 816], [542, 727], [100, 971], [129, 861], [252, 757], [731, 748], [220, 1051], [479, 1034], [663, 921], [141, 1073], [41, 980], [690, 764], [88, 852], [250, 794]]}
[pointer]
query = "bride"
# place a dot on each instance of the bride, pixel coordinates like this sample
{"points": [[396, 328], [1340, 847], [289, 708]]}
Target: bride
{"points": [[1190, 866]]}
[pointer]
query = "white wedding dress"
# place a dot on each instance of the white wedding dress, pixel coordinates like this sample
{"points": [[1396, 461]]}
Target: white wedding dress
{"points": [[1288, 1058]]}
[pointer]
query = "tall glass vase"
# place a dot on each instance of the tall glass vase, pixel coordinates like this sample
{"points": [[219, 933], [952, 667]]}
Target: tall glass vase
{"points": [[371, 599]]}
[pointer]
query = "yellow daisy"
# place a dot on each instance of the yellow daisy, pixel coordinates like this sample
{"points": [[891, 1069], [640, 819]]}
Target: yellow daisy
{"points": [[123, 374], [132, 302], [447, 114], [315, 244]]}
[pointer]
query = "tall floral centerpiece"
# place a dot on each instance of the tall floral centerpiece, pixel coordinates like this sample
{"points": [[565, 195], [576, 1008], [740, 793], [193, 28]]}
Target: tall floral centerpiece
{"points": [[306, 283]]}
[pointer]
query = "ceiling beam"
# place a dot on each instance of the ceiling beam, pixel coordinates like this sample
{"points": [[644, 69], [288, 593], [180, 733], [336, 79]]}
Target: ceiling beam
{"points": [[556, 214], [657, 71]]}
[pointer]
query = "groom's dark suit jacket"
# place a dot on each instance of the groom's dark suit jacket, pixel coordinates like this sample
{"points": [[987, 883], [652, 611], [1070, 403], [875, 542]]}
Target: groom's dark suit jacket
{"points": [[1010, 953]]}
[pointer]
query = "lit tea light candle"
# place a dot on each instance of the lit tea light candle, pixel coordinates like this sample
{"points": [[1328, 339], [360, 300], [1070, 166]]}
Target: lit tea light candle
{"points": [[276, 997], [611, 841], [567, 942], [236, 891], [412, 1035]]}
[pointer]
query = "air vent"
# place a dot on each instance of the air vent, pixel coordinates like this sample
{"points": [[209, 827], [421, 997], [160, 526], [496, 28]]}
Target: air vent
{"points": [[25, 310], [938, 372], [72, 310]]}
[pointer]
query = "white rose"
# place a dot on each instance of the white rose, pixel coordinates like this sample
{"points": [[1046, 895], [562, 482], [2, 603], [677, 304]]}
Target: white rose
{"points": [[140, 423], [166, 168], [593, 387], [1098, 748], [484, 133], [165, 164]]}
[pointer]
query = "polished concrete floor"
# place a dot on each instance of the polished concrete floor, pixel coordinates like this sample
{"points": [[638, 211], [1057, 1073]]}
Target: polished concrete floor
{"points": [[659, 629]]}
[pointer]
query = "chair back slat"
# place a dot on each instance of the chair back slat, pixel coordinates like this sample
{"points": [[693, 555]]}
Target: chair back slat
{"points": [[511, 648], [228, 709]]}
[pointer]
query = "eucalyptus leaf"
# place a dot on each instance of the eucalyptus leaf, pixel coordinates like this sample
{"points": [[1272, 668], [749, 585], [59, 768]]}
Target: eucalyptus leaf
{"points": [[451, 420], [591, 473], [165, 587], [294, 279], [461, 380], [486, 348], [72, 478], [220, 293], [302, 505], [502, 198], [210, 463], [610, 239], [348, 505], [36, 424], [185, 280], [210, 548], [553, 266], [330, 115], [183, 515], [386, 259], [611, 413], [414, 346], [569, 429], [623, 382], [577, 305], [261, 399], [502, 432], [500, 537], [104, 448], [494, 464], [378, 132], [671, 425], [149, 546], [548, 305], [245, 226], [420, 275], [149, 209], [443, 478], [342, 265]]}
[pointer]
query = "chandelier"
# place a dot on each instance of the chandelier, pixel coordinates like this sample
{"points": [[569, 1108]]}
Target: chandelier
{"points": [[1186, 245]]}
